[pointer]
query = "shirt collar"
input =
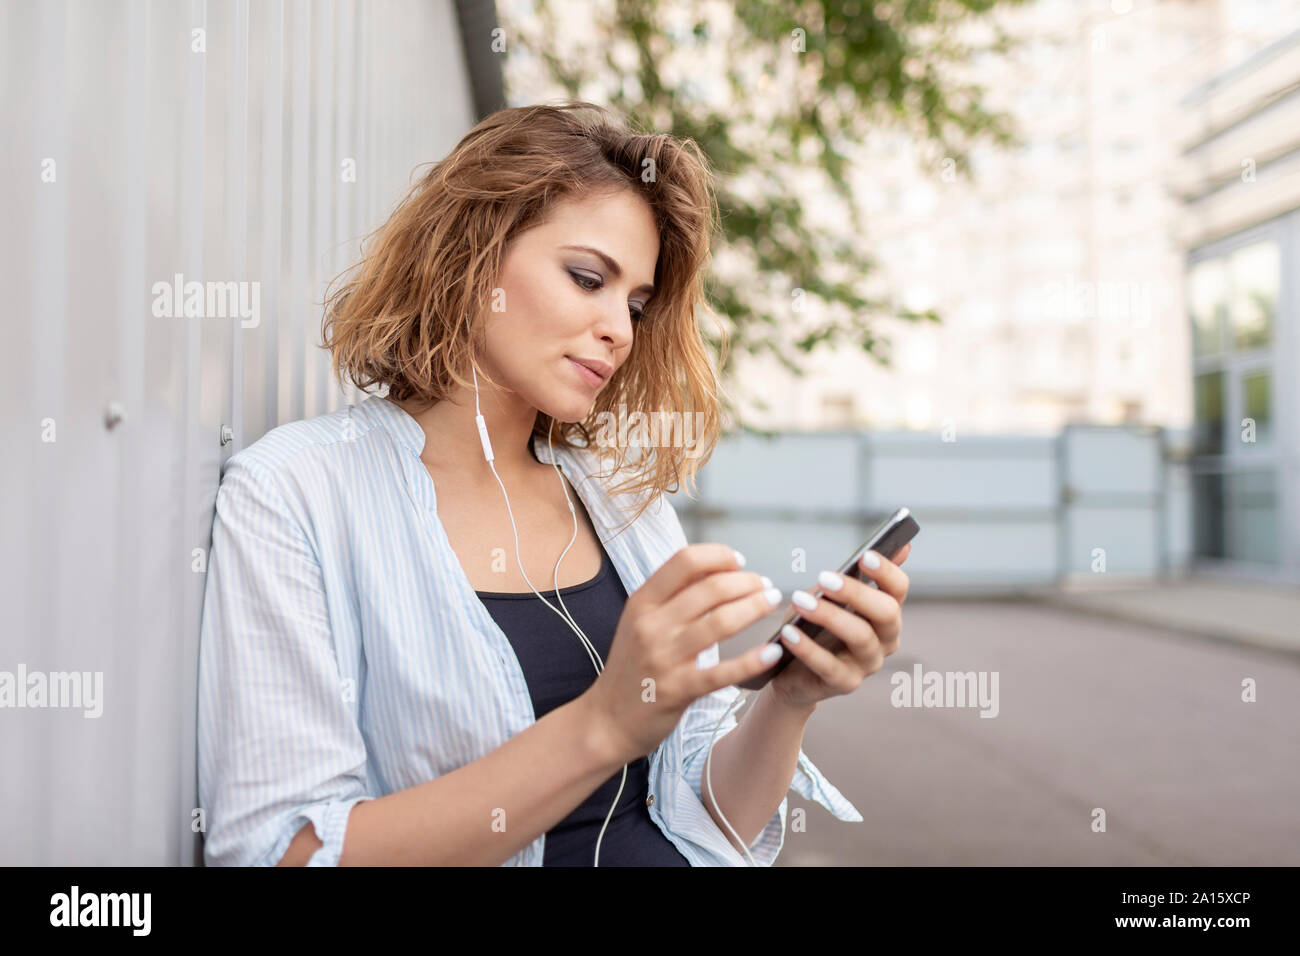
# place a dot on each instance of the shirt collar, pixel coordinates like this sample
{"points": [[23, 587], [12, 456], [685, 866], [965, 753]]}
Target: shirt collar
{"points": [[408, 432], [397, 422]]}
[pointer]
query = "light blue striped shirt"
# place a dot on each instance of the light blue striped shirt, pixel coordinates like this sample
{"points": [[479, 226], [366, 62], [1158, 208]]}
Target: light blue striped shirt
{"points": [[344, 654]]}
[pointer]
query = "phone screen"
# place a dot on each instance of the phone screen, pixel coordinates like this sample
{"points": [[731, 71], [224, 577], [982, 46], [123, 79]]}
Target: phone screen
{"points": [[887, 539]]}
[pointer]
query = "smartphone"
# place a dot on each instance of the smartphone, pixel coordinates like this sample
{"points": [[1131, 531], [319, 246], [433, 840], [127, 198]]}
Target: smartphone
{"points": [[888, 539]]}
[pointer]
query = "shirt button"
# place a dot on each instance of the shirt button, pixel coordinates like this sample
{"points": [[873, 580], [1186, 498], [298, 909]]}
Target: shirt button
{"points": [[649, 800]]}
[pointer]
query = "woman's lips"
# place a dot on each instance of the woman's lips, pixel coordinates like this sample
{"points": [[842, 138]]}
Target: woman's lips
{"points": [[590, 377]]}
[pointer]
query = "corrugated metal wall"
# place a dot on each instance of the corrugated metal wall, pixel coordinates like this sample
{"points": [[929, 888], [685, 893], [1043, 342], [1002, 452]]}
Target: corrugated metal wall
{"points": [[141, 141]]}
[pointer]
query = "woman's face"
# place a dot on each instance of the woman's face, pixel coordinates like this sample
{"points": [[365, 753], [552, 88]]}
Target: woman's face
{"points": [[561, 303]]}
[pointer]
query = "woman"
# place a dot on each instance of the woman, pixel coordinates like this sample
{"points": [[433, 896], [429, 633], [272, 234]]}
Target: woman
{"points": [[380, 682]]}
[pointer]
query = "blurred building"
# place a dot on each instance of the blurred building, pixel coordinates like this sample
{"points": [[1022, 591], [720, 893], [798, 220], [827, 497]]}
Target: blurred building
{"points": [[1054, 266], [1061, 266], [1239, 180]]}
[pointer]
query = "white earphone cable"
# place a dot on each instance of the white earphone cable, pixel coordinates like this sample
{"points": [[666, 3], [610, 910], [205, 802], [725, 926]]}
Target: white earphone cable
{"points": [[592, 653], [708, 777], [559, 597]]}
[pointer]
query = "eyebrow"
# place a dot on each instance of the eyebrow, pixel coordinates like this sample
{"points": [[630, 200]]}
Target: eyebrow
{"points": [[611, 265]]}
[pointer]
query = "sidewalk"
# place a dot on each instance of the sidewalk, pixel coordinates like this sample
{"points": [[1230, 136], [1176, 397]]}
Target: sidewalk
{"points": [[1215, 608]]}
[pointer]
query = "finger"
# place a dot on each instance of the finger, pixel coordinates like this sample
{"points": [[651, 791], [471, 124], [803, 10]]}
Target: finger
{"points": [[688, 564], [856, 633], [882, 612], [706, 593], [888, 576], [836, 673], [902, 554], [733, 670], [724, 620]]}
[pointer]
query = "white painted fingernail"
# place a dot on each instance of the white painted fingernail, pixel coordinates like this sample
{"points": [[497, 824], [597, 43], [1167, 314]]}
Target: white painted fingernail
{"points": [[804, 600], [791, 633], [767, 582], [871, 560], [830, 580], [769, 654], [773, 596], [740, 558]]}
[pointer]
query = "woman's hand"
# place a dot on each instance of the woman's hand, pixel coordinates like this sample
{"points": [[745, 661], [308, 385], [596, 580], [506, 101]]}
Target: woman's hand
{"points": [[696, 599], [867, 640]]}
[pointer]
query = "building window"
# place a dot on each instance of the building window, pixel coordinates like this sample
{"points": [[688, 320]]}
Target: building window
{"points": [[1209, 304], [1257, 404], [1207, 431], [1232, 301], [1252, 515], [1253, 275]]}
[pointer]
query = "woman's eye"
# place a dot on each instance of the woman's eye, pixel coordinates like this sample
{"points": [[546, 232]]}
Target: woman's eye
{"points": [[580, 279]]}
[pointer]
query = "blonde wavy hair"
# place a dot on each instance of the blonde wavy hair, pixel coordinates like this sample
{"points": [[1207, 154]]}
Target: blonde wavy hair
{"points": [[401, 317]]}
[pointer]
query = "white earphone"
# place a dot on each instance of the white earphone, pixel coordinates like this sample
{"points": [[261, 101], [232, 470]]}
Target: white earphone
{"points": [[592, 653]]}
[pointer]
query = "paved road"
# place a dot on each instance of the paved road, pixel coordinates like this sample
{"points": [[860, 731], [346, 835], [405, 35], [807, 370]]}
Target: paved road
{"points": [[1136, 719]]}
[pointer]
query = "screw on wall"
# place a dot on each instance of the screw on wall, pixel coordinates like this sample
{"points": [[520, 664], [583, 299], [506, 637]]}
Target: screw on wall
{"points": [[113, 415], [227, 435]]}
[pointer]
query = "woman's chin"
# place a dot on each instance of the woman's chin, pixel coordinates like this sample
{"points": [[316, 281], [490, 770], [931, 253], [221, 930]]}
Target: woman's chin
{"points": [[568, 412]]}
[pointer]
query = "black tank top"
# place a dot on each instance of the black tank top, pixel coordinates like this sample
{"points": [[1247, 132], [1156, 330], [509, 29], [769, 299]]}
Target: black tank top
{"points": [[557, 669]]}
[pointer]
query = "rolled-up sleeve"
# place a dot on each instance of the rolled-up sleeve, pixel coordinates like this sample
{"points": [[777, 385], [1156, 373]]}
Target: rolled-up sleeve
{"points": [[698, 723], [697, 727], [279, 744]]}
